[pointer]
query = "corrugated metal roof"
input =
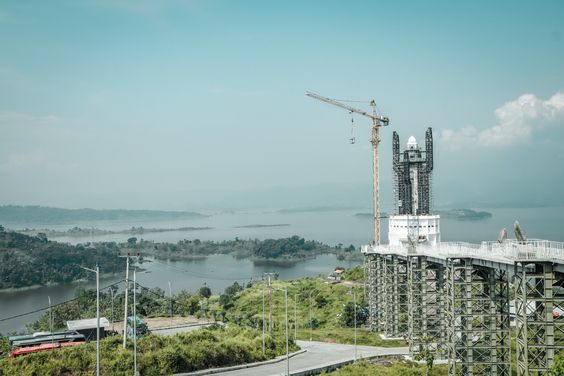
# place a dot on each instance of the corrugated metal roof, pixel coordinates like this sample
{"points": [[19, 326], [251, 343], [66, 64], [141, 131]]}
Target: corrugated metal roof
{"points": [[87, 324]]}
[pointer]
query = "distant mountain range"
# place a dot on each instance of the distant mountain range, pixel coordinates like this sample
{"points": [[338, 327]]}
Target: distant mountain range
{"points": [[42, 214]]}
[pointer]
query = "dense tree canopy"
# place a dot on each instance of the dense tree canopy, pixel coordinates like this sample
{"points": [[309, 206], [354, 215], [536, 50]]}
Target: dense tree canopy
{"points": [[35, 260]]}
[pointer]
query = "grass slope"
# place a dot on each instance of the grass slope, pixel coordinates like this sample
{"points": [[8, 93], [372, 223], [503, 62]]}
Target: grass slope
{"points": [[186, 352], [327, 303], [397, 368]]}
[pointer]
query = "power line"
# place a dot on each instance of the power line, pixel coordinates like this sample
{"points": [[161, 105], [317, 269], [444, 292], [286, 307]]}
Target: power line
{"points": [[141, 286], [56, 305]]}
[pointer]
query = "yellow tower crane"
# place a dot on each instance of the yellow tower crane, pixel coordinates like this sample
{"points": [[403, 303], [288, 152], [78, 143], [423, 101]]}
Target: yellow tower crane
{"points": [[377, 121]]}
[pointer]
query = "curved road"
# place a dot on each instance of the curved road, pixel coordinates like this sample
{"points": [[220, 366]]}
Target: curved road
{"points": [[318, 354]]}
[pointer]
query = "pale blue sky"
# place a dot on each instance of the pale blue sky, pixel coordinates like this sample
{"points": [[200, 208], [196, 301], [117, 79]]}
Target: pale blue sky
{"points": [[188, 104]]}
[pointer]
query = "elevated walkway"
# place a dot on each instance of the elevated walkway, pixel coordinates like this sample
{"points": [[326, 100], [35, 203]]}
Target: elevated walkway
{"points": [[488, 253], [452, 298]]}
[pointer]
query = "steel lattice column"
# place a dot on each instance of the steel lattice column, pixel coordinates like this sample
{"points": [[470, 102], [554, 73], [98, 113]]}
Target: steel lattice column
{"points": [[396, 296], [538, 299], [417, 292], [426, 308], [382, 292], [372, 262], [478, 319]]}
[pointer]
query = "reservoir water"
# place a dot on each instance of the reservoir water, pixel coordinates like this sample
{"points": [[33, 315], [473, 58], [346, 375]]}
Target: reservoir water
{"points": [[220, 271]]}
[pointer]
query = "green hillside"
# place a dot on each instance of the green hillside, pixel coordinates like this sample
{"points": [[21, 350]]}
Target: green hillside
{"points": [[35, 260]]}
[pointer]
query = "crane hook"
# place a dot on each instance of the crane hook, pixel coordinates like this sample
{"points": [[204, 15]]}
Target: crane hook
{"points": [[352, 139]]}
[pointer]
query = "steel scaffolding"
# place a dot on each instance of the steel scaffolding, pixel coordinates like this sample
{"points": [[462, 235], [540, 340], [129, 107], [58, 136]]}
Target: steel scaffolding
{"points": [[396, 308], [539, 305], [373, 290], [381, 298], [478, 319], [412, 171], [426, 306]]}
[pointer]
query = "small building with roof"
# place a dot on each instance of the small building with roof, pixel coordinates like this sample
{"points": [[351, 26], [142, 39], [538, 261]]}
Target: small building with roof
{"points": [[87, 327]]}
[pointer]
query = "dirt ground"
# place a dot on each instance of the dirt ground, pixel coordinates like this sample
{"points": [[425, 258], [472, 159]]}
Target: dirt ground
{"points": [[163, 322]]}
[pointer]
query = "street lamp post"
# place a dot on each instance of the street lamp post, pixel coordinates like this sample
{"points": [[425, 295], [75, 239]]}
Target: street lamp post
{"points": [[125, 307], [134, 321], [287, 349], [287, 345], [263, 327], [354, 304], [50, 319], [295, 317], [112, 297], [97, 271], [170, 293]]}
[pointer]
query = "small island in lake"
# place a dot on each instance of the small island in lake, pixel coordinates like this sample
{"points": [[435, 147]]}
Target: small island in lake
{"points": [[370, 215], [464, 214], [79, 231], [264, 226]]}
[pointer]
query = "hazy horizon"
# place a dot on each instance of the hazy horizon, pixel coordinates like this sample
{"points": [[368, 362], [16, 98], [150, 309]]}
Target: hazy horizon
{"points": [[200, 105]]}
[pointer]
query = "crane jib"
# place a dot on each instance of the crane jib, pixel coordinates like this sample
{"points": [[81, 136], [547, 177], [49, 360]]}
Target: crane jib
{"points": [[376, 119]]}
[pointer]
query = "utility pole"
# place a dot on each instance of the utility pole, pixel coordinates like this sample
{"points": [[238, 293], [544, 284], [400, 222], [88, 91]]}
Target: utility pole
{"points": [[354, 302], [285, 289], [134, 322], [295, 317], [170, 292], [97, 320], [125, 308], [97, 271], [287, 348], [112, 296], [310, 322], [263, 327], [50, 319], [269, 276]]}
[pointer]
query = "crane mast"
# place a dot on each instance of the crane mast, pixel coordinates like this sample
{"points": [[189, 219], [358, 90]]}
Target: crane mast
{"points": [[377, 121]]}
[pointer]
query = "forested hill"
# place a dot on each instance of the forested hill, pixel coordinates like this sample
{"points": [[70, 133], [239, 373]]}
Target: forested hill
{"points": [[35, 260], [48, 215]]}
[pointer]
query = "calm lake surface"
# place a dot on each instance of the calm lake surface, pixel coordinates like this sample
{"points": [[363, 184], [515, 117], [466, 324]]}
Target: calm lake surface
{"points": [[220, 271]]}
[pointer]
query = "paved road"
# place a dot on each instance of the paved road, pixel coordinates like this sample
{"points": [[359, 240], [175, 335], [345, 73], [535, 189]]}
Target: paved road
{"points": [[317, 354]]}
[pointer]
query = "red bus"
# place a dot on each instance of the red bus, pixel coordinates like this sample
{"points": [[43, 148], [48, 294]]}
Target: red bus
{"points": [[43, 347]]}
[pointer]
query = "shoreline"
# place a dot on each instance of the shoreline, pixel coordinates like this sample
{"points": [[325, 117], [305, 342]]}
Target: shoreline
{"points": [[78, 232], [11, 290]]}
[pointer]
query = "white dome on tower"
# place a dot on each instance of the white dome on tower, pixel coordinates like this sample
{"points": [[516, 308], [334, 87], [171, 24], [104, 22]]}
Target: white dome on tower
{"points": [[412, 143]]}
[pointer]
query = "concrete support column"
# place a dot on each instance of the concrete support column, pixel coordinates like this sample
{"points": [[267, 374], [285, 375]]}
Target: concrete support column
{"points": [[478, 319], [539, 305]]}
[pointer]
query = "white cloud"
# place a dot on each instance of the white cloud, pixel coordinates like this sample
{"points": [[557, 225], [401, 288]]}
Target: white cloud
{"points": [[517, 121]]}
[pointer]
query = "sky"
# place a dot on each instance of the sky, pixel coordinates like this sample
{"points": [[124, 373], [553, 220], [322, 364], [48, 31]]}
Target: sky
{"points": [[200, 105]]}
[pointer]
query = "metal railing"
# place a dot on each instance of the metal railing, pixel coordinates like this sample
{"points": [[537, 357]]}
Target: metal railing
{"points": [[508, 251]]}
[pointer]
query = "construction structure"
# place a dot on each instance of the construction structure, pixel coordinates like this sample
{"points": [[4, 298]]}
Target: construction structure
{"points": [[412, 175], [377, 122], [453, 298]]}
